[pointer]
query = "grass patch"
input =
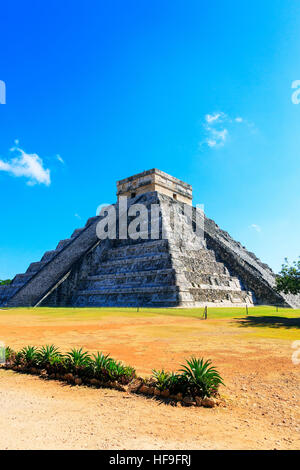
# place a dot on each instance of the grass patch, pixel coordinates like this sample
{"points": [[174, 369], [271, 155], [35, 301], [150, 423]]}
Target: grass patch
{"points": [[99, 312]]}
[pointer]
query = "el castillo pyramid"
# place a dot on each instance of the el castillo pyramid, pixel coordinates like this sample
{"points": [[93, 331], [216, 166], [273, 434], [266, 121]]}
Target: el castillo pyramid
{"points": [[175, 267]]}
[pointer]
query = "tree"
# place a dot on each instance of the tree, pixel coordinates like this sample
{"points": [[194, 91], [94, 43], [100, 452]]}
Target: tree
{"points": [[288, 280], [5, 283]]}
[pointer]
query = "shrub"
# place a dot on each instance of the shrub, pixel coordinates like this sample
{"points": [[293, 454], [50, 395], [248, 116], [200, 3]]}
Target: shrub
{"points": [[18, 358], [171, 381], [29, 355], [202, 378], [162, 379], [100, 362], [77, 360], [196, 378], [48, 353], [9, 354]]}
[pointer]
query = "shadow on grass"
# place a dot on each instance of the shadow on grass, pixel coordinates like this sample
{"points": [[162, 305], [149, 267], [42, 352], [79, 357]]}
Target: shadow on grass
{"points": [[270, 321]]}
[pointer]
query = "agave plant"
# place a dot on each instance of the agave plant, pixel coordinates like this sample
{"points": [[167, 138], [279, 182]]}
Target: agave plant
{"points": [[201, 376], [9, 354], [127, 375], [115, 369], [18, 358], [78, 359], [57, 364], [101, 361], [178, 383], [47, 353], [29, 355], [162, 379]]}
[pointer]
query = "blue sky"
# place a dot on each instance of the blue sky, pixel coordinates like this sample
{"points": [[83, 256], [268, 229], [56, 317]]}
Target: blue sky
{"points": [[97, 91]]}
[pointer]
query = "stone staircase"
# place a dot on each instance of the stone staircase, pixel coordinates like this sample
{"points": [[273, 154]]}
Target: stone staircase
{"points": [[207, 281], [131, 275], [21, 281]]}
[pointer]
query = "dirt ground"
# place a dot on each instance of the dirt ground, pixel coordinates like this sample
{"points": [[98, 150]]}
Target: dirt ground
{"points": [[253, 355]]}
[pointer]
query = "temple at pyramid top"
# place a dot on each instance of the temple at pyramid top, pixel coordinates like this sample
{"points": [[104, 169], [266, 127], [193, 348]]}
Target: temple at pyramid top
{"points": [[155, 180]]}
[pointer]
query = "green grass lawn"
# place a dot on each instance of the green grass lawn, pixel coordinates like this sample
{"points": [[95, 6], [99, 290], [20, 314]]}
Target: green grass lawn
{"points": [[96, 313]]}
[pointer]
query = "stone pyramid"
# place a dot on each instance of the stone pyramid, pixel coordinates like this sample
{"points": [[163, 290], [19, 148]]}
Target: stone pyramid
{"points": [[177, 267]]}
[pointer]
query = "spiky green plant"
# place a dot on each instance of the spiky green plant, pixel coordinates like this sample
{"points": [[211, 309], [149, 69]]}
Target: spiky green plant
{"points": [[203, 379], [18, 358], [47, 353], [177, 383], [9, 353], [78, 359], [101, 361], [162, 379], [57, 364], [29, 355], [115, 369]]}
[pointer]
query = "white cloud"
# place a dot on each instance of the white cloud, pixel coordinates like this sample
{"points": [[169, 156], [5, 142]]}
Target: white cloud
{"points": [[60, 159], [27, 165], [213, 117], [217, 127], [77, 216], [255, 227], [216, 137]]}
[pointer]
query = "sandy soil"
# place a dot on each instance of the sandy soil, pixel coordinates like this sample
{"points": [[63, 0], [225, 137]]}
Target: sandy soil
{"points": [[262, 388]]}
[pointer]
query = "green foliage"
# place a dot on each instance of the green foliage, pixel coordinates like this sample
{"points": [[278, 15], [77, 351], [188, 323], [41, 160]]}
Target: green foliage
{"points": [[57, 363], [162, 379], [100, 361], [201, 376], [9, 353], [6, 282], [171, 381], [288, 280], [18, 358], [106, 368], [195, 378], [115, 369], [77, 358], [48, 353], [29, 355]]}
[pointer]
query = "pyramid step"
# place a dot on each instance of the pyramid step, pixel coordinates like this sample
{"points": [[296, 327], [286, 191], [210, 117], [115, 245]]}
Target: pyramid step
{"points": [[128, 300], [230, 288], [35, 267], [129, 290], [201, 255], [141, 263], [49, 255], [200, 279], [6, 292], [21, 279], [146, 248], [63, 243], [221, 295], [76, 232], [129, 280], [151, 296], [203, 267], [91, 220], [99, 277]]}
